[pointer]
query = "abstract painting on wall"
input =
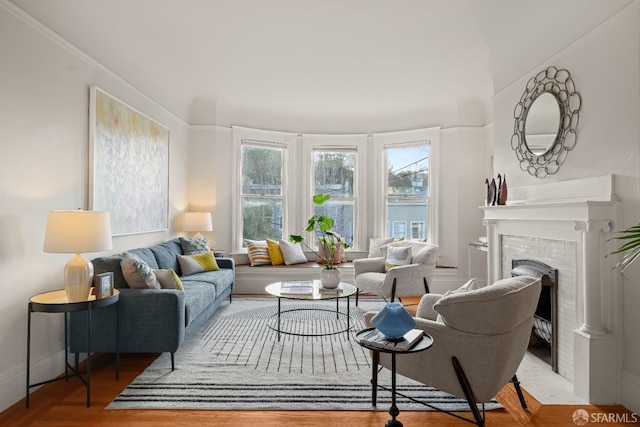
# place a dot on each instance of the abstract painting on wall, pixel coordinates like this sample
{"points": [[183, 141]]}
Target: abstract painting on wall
{"points": [[129, 161]]}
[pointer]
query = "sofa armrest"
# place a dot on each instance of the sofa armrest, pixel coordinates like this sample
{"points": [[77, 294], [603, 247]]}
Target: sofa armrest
{"points": [[364, 265], [226, 263], [425, 307], [407, 272], [148, 321]]}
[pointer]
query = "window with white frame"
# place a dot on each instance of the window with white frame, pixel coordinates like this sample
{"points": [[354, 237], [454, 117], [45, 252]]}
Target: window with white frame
{"points": [[407, 189], [406, 196], [334, 174], [262, 195], [380, 184]]}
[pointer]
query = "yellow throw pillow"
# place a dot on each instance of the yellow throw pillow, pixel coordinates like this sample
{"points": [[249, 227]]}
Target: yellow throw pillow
{"points": [[275, 254], [197, 263]]}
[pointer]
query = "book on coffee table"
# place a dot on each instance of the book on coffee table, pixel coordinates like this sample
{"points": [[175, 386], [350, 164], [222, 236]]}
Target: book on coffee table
{"points": [[296, 288], [377, 339], [330, 291]]}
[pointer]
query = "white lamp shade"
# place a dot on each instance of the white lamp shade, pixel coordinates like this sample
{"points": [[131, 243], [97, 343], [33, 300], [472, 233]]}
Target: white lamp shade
{"points": [[77, 232], [198, 221]]}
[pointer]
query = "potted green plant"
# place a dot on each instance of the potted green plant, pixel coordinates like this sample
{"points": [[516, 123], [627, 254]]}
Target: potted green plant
{"points": [[630, 249], [330, 243]]}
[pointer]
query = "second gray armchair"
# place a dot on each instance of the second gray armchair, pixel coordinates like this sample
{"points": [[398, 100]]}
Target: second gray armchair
{"points": [[412, 279]]}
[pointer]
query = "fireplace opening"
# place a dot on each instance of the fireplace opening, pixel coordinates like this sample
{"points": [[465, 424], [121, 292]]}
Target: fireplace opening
{"points": [[544, 335]]}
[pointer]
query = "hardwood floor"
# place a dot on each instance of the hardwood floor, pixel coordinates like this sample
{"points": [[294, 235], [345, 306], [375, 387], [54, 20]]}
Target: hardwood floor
{"points": [[63, 403]]}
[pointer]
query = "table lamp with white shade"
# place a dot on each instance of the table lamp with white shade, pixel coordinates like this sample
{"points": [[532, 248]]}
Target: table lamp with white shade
{"points": [[76, 232], [197, 222]]}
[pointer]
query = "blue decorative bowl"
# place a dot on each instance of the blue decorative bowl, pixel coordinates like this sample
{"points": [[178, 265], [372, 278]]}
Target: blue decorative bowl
{"points": [[393, 321]]}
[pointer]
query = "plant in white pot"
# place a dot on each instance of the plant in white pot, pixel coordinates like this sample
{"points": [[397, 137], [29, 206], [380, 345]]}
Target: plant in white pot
{"points": [[330, 243]]}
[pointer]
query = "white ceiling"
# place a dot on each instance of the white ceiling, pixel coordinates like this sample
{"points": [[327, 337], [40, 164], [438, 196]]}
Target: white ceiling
{"points": [[204, 59]]}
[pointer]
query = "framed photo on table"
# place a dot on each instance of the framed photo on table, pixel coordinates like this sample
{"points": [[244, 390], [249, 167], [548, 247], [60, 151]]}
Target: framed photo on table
{"points": [[103, 285]]}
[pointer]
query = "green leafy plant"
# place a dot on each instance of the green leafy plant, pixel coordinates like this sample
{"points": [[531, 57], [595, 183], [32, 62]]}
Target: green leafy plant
{"points": [[322, 226], [630, 249]]}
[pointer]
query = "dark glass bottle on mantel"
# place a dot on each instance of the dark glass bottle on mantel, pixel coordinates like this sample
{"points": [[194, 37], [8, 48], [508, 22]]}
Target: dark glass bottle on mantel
{"points": [[502, 190]]}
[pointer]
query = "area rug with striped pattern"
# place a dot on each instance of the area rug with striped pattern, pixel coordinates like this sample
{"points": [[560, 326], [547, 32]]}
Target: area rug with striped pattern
{"points": [[235, 361]]}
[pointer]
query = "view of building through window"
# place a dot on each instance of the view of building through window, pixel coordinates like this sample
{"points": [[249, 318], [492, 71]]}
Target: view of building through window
{"points": [[407, 196]]}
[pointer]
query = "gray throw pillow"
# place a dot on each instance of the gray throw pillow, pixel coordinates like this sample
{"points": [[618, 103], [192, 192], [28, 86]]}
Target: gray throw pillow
{"points": [[137, 273], [195, 245]]}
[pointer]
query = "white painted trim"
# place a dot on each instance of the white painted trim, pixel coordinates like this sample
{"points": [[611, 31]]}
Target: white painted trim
{"points": [[597, 341], [286, 140], [406, 138], [630, 391], [601, 188], [13, 379], [355, 142]]}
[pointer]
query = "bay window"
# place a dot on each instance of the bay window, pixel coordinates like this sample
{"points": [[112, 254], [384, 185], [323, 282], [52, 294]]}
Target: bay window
{"points": [[380, 184]]}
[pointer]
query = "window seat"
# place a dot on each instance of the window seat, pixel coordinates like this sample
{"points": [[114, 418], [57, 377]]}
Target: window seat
{"points": [[253, 280]]}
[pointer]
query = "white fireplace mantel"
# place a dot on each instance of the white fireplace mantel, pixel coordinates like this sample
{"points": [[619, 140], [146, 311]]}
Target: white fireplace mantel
{"points": [[596, 360]]}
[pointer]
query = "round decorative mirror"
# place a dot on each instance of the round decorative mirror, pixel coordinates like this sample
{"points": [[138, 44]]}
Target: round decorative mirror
{"points": [[546, 119]]}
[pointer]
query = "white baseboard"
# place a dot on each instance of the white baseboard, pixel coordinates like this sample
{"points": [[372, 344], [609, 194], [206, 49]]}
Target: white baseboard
{"points": [[630, 391], [13, 381]]}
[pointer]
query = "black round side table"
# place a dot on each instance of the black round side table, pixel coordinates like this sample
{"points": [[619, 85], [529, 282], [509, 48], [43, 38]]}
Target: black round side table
{"points": [[57, 302], [422, 344]]}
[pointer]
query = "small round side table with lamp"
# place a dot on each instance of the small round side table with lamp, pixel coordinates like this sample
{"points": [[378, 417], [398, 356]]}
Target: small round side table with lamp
{"points": [[58, 302]]}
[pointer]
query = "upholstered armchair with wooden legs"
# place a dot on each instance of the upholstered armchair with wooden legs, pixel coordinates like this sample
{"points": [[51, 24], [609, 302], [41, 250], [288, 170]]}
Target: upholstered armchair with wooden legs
{"points": [[371, 275], [480, 337]]}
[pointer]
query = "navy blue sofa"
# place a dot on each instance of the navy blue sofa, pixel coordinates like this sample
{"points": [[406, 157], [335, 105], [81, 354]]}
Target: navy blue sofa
{"points": [[152, 320]]}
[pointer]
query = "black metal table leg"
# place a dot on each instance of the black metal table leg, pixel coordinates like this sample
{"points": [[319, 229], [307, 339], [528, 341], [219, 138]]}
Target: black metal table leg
{"points": [[89, 356], [117, 342], [393, 411], [348, 319], [278, 319], [28, 352]]}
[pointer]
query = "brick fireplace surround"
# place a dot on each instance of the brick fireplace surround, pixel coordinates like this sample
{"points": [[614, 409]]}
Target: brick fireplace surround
{"points": [[570, 234]]}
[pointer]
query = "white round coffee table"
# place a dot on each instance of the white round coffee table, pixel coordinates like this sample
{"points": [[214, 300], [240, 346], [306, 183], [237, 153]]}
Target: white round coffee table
{"points": [[310, 290]]}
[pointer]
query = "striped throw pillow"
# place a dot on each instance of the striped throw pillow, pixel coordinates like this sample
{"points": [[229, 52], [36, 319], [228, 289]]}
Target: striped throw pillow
{"points": [[258, 252]]}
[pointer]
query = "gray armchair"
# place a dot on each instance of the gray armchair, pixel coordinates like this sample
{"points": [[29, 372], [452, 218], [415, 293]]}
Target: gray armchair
{"points": [[480, 337], [403, 280]]}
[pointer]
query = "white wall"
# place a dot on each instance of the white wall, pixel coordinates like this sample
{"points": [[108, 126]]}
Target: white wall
{"points": [[210, 184], [44, 144], [461, 180], [604, 64]]}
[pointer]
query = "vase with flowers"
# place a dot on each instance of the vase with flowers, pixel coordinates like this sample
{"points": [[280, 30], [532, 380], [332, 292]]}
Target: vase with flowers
{"points": [[330, 243]]}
